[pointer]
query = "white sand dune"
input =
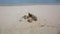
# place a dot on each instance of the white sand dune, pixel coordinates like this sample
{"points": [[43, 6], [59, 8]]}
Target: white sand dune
{"points": [[47, 14]]}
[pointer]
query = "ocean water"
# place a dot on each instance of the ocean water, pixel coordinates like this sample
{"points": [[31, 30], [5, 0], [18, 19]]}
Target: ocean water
{"points": [[27, 1]]}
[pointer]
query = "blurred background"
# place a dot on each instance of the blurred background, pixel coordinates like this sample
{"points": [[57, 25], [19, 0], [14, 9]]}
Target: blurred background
{"points": [[47, 12]]}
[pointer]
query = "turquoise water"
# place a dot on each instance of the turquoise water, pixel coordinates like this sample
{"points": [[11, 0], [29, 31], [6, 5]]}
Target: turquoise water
{"points": [[28, 1]]}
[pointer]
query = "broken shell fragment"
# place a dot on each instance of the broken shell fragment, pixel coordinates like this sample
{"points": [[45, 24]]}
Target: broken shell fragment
{"points": [[30, 20]]}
